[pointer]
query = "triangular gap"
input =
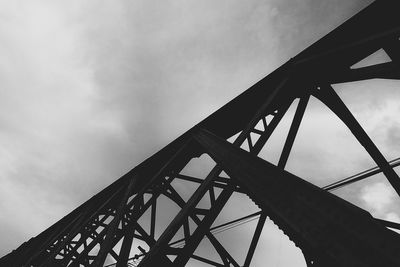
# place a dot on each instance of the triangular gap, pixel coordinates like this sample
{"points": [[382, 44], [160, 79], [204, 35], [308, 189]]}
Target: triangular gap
{"points": [[238, 206], [95, 250], [117, 247], [180, 234], [233, 138], [205, 201], [171, 257], [206, 250], [375, 105], [269, 118], [273, 148], [109, 260], [166, 212], [199, 167], [274, 248], [254, 138], [144, 220], [184, 188], [379, 56], [89, 239], [324, 150], [217, 192], [224, 174], [147, 197], [245, 146], [200, 216], [375, 195], [260, 126], [131, 197], [236, 238], [77, 237], [110, 257]]}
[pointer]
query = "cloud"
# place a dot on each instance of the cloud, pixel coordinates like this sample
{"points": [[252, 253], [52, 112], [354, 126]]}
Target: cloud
{"points": [[48, 110], [393, 217], [378, 196], [89, 89]]}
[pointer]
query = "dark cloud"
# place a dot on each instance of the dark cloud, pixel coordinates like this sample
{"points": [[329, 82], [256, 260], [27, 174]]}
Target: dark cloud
{"points": [[91, 89]]}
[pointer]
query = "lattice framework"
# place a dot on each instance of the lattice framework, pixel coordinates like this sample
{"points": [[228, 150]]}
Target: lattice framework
{"points": [[108, 224]]}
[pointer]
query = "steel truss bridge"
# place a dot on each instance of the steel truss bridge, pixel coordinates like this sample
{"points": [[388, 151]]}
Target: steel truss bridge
{"points": [[329, 230]]}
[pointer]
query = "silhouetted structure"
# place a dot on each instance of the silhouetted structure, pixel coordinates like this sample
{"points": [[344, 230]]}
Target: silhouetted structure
{"points": [[329, 230]]}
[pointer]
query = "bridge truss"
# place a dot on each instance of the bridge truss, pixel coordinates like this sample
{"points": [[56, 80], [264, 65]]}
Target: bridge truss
{"points": [[328, 230]]}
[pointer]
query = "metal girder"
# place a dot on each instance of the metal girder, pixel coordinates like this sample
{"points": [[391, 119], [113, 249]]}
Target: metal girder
{"points": [[113, 214], [338, 233], [360, 176], [329, 97], [106, 245], [301, 108], [254, 240], [389, 70], [158, 250]]}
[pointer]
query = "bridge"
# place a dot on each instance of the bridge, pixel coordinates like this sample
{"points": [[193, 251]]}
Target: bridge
{"points": [[121, 223]]}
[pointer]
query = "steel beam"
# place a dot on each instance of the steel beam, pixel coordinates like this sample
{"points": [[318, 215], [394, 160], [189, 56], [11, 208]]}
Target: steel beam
{"points": [[306, 213], [326, 61], [329, 97], [389, 70], [294, 127]]}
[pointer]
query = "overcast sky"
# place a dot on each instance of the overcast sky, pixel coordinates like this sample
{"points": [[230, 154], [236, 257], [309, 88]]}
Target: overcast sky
{"points": [[89, 89]]}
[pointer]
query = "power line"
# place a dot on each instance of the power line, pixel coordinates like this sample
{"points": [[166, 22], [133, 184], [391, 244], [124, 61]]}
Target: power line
{"points": [[359, 176]]}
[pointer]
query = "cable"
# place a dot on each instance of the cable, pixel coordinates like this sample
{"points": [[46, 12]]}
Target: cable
{"points": [[246, 219], [213, 229], [218, 230], [359, 176]]}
